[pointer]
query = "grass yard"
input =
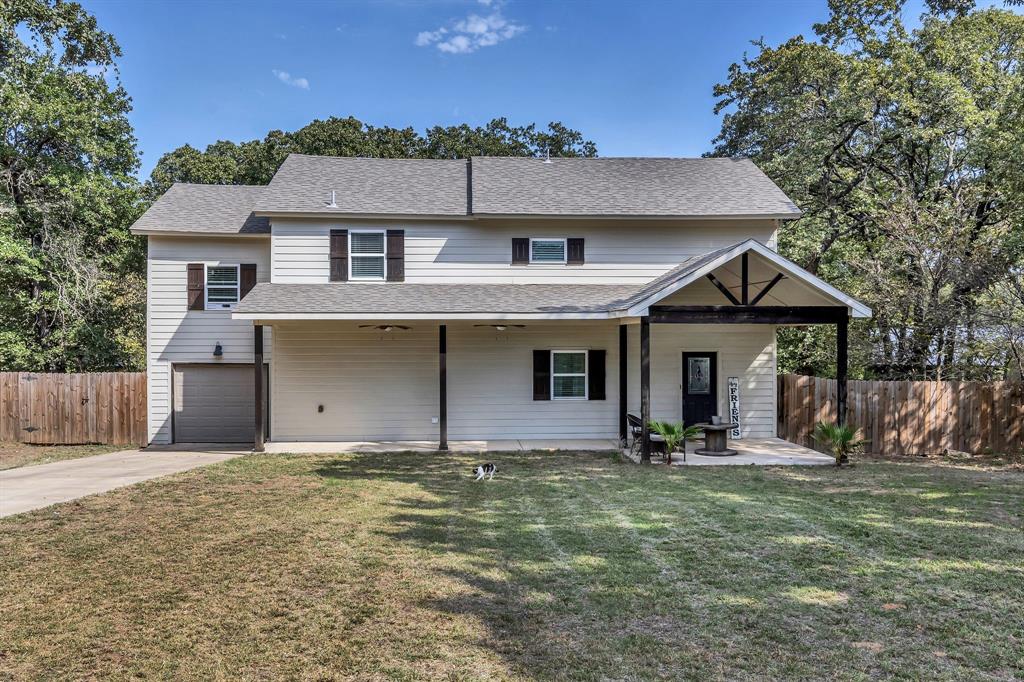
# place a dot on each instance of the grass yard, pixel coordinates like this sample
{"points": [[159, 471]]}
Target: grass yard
{"points": [[22, 454], [569, 566]]}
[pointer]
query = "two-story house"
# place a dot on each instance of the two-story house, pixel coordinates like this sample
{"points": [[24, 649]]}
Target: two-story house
{"points": [[472, 300]]}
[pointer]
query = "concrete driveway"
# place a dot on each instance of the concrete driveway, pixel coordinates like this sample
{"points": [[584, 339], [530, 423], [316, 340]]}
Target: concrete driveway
{"points": [[33, 487]]}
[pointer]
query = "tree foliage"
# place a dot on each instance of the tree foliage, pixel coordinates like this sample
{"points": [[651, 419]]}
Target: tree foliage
{"points": [[255, 162], [902, 149], [71, 284]]}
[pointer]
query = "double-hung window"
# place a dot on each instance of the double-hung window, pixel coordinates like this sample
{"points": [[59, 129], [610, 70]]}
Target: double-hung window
{"points": [[367, 255], [221, 287], [568, 375], [547, 251]]}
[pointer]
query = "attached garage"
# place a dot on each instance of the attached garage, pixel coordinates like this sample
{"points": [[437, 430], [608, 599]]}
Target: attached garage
{"points": [[214, 403]]}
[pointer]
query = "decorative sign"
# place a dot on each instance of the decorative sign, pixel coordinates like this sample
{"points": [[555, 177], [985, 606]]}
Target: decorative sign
{"points": [[734, 406]]}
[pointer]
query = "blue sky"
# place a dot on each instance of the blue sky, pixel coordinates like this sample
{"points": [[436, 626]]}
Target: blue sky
{"points": [[635, 77]]}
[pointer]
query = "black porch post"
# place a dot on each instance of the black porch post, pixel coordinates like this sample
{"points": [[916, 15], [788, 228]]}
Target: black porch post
{"points": [[623, 380], [257, 361], [842, 348], [645, 389], [442, 347]]}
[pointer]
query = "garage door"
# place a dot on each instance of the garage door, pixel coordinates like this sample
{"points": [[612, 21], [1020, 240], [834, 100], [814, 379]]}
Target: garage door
{"points": [[213, 403]]}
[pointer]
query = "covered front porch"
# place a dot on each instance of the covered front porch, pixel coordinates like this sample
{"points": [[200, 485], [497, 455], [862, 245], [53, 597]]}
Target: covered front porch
{"points": [[487, 368], [758, 451]]}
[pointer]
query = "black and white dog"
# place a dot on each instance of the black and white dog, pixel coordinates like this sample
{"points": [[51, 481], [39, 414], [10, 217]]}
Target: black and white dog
{"points": [[485, 470]]}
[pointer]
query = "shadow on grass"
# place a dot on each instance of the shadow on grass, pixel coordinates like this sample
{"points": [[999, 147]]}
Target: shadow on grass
{"points": [[582, 568]]}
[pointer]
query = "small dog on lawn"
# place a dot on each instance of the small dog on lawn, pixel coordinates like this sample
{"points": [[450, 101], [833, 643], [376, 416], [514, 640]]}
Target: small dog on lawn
{"points": [[485, 470]]}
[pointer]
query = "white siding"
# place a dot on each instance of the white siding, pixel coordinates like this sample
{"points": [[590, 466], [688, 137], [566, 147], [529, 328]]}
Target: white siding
{"points": [[617, 252], [178, 335], [384, 385], [744, 351]]}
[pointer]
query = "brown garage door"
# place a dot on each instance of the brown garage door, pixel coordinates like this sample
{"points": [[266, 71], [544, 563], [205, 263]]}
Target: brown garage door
{"points": [[213, 403]]}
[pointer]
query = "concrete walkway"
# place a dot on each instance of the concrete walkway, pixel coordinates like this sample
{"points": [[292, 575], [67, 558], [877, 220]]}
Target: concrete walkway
{"points": [[759, 451], [431, 446], [33, 487]]}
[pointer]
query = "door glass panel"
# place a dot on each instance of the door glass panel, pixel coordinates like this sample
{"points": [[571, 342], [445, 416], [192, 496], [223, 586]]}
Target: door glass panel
{"points": [[698, 376]]}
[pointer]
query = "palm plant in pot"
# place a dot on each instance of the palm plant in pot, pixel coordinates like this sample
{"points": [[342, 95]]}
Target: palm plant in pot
{"points": [[843, 441], [675, 435]]}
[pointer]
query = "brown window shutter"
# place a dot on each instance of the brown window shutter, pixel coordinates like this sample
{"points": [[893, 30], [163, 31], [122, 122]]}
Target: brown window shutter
{"points": [[339, 255], [246, 279], [595, 374], [574, 251], [396, 256], [196, 286], [542, 375], [520, 251]]}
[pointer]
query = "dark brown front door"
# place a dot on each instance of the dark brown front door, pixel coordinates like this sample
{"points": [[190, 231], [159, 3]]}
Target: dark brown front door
{"points": [[700, 387]]}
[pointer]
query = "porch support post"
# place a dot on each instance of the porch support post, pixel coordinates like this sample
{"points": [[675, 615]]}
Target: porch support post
{"points": [[442, 348], [745, 278], [623, 380], [257, 361], [842, 360], [645, 389]]}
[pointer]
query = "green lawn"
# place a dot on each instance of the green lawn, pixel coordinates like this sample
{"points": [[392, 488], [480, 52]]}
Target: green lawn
{"points": [[568, 566], [23, 454]]}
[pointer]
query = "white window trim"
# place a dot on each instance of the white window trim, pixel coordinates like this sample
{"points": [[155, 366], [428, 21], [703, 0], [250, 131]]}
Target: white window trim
{"points": [[206, 286], [565, 250], [585, 375], [383, 253]]}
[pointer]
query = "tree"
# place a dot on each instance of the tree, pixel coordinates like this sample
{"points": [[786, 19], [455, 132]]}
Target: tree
{"points": [[901, 149], [255, 162], [71, 275]]}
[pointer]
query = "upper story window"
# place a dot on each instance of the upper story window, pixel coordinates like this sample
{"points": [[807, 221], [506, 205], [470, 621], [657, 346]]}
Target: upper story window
{"points": [[547, 250], [221, 287], [568, 375], [367, 251]]}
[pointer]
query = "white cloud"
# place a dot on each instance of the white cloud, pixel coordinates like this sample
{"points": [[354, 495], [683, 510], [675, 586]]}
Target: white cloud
{"points": [[471, 33], [288, 79]]}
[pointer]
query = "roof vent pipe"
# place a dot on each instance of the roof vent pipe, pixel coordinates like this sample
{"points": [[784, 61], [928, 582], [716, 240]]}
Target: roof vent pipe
{"points": [[547, 154], [333, 203]]}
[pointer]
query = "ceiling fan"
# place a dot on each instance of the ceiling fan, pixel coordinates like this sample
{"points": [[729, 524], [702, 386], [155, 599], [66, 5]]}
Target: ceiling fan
{"points": [[384, 327], [500, 327]]}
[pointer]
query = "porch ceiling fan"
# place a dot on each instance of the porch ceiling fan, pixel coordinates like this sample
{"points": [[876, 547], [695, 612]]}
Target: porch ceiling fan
{"points": [[385, 327], [500, 327]]}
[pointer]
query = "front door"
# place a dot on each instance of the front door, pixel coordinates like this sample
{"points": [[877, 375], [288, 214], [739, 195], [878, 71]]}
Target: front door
{"points": [[700, 387]]}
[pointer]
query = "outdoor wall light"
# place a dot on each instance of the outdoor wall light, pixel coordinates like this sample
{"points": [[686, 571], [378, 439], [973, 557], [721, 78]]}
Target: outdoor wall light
{"points": [[218, 350]]}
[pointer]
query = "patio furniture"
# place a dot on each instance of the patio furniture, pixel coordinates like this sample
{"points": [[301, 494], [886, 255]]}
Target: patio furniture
{"points": [[636, 433], [716, 442]]}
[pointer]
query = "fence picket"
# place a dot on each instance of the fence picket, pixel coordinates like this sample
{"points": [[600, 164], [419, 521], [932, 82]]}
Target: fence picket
{"points": [[909, 417]]}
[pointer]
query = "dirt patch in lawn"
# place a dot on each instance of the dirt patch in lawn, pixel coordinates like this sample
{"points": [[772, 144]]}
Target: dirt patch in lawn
{"points": [[22, 454]]}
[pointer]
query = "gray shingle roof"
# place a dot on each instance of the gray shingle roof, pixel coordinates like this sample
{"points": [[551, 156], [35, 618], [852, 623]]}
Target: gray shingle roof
{"points": [[625, 187], [367, 186], [401, 298], [500, 186], [207, 209]]}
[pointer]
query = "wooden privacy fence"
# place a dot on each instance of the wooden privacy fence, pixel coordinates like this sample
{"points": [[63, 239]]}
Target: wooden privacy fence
{"points": [[104, 407], [909, 417]]}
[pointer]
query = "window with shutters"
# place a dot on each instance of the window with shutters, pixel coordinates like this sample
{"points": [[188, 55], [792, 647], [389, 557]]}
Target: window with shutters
{"points": [[221, 287], [367, 255], [547, 250], [568, 375]]}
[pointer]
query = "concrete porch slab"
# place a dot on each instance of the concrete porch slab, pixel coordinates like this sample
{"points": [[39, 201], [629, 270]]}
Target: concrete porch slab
{"points": [[472, 446], [760, 451]]}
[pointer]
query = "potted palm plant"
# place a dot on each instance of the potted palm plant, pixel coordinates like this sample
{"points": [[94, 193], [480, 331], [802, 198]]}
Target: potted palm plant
{"points": [[674, 434], [843, 441]]}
